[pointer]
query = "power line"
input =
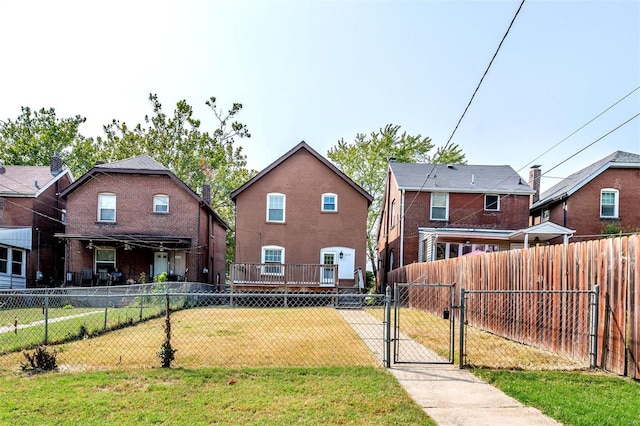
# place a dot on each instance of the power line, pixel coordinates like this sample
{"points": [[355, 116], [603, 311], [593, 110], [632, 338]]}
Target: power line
{"points": [[591, 144], [486, 71]]}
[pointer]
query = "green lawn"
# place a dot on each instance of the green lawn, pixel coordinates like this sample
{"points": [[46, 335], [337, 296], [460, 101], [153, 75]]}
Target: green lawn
{"points": [[572, 398], [327, 396]]}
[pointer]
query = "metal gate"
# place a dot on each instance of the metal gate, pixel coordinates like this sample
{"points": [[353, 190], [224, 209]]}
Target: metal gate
{"points": [[423, 323]]}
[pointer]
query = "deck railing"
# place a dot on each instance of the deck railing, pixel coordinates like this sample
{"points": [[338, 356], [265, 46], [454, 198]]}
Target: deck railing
{"points": [[274, 275]]}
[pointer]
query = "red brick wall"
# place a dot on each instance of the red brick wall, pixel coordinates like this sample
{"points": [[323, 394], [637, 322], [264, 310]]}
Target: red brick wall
{"points": [[465, 211], [43, 214], [303, 179], [583, 207], [134, 214]]}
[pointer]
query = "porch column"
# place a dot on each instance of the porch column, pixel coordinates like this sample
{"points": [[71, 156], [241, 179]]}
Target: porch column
{"points": [[526, 241]]}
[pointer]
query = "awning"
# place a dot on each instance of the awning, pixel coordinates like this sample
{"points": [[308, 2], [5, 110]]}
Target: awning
{"points": [[16, 237]]}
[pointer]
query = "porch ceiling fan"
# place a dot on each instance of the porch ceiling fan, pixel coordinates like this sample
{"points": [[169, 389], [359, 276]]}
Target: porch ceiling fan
{"points": [[90, 245]]}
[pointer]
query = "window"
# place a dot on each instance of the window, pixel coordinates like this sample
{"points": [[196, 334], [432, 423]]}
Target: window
{"points": [[106, 207], [609, 203], [16, 262], [439, 206], [4, 258], [329, 203], [275, 207], [545, 215], [393, 213], [275, 255], [161, 204], [492, 202], [12, 261]]}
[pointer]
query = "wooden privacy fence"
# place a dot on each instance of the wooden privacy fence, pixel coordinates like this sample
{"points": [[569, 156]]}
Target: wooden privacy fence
{"points": [[611, 263]]}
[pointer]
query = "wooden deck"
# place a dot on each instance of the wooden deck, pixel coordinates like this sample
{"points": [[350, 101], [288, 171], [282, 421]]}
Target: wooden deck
{"points": [[283, 277]]}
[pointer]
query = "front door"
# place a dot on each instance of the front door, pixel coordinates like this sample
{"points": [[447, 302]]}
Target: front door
{"points": [[328, 274], [160, 262]]}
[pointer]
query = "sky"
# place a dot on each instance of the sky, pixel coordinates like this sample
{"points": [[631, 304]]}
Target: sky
{"points": [[325, 70]]}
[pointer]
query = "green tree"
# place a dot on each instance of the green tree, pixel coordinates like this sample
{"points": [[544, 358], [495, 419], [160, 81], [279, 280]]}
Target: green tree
{"points": [[365, 161], [32, 138], [196, 157]]}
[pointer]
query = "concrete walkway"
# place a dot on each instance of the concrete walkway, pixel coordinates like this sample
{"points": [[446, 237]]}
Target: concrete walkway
{"points": [[449, 395], [9, 328]]}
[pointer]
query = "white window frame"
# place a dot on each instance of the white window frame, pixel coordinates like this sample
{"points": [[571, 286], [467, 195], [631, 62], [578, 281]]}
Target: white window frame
{"points": [[486, 205], [103, 205], [335, 202], [616, 203], [11, 257], [160, 200], [272, 270], [433, 205], [393, 214], [275, 195]]}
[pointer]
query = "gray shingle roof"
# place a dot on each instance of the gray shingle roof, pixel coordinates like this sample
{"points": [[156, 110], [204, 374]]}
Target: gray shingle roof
{"points": [[459, 178], [21, 180], [140, 162], [570, 184]]}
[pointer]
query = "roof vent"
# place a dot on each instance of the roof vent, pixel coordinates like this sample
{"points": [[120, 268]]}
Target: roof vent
{"points": [[473, 179], [450, 166], [35, 183]]}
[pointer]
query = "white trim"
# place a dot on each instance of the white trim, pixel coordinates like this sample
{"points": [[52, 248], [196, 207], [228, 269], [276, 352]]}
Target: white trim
{"points": [[155, 204], [115, 209], [497, 209], [284, 206], [263, 249], [616, 202], [446, 207], [329, 194]]}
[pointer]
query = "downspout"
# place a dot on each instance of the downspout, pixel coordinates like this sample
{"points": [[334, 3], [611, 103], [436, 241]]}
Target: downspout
{"points": [[402, 229], [564, 209]]}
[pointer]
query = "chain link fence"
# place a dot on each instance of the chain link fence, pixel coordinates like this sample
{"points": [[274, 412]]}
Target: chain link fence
{"points": [[513, 329], [124, 327]]}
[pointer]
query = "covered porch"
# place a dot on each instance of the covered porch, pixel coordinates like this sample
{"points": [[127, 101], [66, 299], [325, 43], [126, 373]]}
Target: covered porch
{"points": [[92, 260]]}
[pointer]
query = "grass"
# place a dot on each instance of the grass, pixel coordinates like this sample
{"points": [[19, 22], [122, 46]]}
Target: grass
{"points": [[327, 396], [92, 321], [223, 337], [573, 398]]}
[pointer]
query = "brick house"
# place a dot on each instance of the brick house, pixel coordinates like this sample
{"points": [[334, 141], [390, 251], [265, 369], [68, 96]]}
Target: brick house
{"points": [[604, 195], [137, 216], [31, 212], [439, 211], [300, 210]]}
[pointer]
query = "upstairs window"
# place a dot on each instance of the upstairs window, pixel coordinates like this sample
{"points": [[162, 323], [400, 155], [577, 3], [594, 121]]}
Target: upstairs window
{"points": [[275, 207], [161, 204], [393, 213], [106, 207], [492, 202], [439, 206], [329, 202], [609, 203]]}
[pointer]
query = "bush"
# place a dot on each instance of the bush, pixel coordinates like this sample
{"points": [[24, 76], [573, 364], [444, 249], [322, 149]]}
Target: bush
{"points": [[40, 360]]}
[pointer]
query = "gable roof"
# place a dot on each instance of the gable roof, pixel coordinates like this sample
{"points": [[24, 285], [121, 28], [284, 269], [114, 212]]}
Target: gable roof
{"points": [[141, 164], [28, 181], [459, 178], [300, 146], [577, 180]]}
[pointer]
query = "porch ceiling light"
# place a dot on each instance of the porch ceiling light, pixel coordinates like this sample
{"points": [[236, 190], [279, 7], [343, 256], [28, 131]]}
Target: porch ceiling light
{"points": [[341, 254]]}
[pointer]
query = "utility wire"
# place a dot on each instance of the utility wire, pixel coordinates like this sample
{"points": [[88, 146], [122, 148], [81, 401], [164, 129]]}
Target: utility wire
{"points": [[446, 145]]}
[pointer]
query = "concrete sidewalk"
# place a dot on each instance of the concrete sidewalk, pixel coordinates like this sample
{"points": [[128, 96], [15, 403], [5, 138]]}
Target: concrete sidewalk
{"points": [[449, 395]]}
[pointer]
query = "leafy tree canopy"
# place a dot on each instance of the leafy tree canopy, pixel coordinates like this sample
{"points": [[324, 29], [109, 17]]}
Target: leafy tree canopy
{"points": [[32, 138], [365, 161]]}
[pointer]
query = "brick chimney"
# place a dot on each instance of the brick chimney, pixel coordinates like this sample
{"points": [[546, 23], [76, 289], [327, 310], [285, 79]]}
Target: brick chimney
{"points": [[534, 182], [56, 164], [206, 193]]}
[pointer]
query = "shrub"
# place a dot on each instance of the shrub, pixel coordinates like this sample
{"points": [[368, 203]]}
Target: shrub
{"points": [[40, 360]]}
